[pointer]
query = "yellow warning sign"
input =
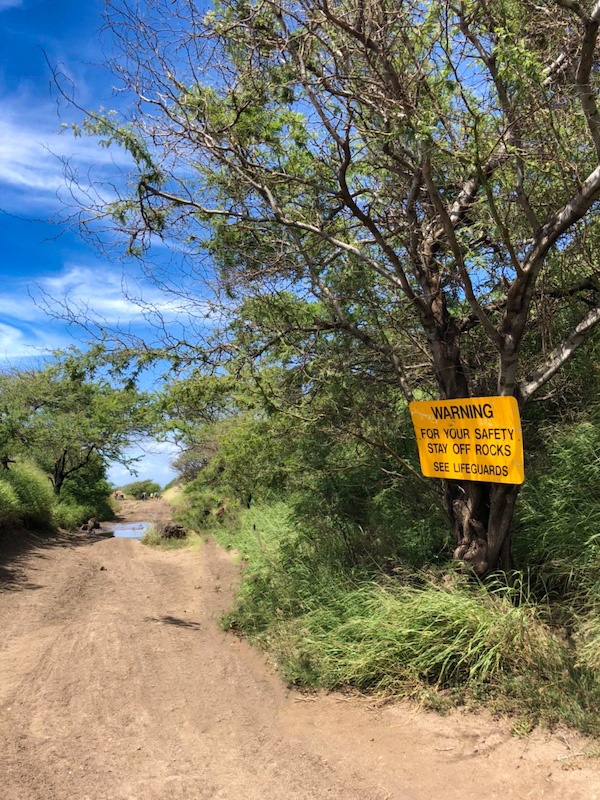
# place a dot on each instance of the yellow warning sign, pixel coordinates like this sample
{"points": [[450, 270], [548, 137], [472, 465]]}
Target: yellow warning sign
{"points": [[477, 439]]}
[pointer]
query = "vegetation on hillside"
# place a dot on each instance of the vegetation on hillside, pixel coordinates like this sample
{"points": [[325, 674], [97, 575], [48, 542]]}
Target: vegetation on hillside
{"points": [[144, 487], [25, 497]]}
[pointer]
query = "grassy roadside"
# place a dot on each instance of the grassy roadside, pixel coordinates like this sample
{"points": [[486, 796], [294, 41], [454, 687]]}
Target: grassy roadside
{"points": [[27, 502], [439, 638], [153, 538], [435, 635]]}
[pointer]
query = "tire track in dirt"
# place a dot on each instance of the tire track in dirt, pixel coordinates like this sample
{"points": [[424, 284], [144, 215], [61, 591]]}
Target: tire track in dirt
{"points": [[116, 682], [122, 686]]}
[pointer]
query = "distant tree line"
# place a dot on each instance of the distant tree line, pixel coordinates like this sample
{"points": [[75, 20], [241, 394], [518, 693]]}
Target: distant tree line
{"points": [[70, 425]]}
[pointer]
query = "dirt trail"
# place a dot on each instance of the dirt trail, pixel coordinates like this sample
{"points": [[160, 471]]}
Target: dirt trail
{"points": [[116, 682]]}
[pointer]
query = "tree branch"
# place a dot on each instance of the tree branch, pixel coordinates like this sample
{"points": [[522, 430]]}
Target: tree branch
{"points": [[575, 7], [559, 222], [560, 354], [582, 78], [357, 333], [486, 323]]}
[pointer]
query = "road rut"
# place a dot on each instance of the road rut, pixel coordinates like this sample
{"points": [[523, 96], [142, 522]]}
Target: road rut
{"points": [[116, 682]]}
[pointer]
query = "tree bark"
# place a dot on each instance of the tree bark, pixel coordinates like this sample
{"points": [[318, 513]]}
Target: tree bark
{"points": [[481, 514], [59, 473]]}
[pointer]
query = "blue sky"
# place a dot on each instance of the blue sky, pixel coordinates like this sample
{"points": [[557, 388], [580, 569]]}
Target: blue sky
{"points": [[39, 254]]}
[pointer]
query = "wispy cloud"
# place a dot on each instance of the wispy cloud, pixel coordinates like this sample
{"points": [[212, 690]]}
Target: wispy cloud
{"points": [[34, 155], [25, 331], [97, 297], [16, 304], [110, 295], [13, 343], [6, 4], [26, 163], [25, 342]]}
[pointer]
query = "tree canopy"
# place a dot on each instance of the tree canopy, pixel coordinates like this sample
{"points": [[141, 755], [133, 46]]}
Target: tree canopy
{"points": [[397, 193], [65, 421]]}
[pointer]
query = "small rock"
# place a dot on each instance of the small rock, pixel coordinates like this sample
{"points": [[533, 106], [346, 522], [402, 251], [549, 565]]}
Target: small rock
{"points": [[170, 530]]}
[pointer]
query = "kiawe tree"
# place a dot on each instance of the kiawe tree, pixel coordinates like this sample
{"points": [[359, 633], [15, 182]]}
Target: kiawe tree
{"points": [[66, 422], [424, 175]]}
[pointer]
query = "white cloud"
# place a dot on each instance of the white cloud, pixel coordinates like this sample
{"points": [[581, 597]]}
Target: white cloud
{"points": [[6, 4], [34, 156], [154, 464], [96, 296], [18, 305], [59, 310], [109, 295], [18, 343], [25, 163], [13, 343]]}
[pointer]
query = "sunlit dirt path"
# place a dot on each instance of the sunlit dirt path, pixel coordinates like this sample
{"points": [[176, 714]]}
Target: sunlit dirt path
{"points": [[116, 682]]}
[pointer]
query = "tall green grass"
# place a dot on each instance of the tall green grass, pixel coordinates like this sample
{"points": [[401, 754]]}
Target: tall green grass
{"points": [[449, 645], [284, 573], [363, 599], [25, 496], [9, 504], [69, 515], [433, 635], [385, 637], [558, 516], [27, 500], [557, 537]]}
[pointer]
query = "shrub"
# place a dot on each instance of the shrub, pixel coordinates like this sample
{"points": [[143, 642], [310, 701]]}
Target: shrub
{"points": [[202, 508], [33, 492], [155, 537], [86, 493], [137, 488], [70, 515], [9, 504]]}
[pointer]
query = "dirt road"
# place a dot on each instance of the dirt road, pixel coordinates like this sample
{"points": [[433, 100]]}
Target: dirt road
{"points": [[116, 682]]}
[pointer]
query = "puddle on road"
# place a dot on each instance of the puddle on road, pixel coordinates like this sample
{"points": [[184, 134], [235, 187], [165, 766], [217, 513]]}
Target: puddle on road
{"points": [[130, 530]]}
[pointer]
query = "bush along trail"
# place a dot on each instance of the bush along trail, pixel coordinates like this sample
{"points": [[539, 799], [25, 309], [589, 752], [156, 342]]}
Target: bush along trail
{"points": [[435, 634]]}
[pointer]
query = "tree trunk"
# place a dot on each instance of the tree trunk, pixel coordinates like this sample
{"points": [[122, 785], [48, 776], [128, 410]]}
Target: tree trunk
{"points": [[480, 512], [481, 515], [59, 473]]}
